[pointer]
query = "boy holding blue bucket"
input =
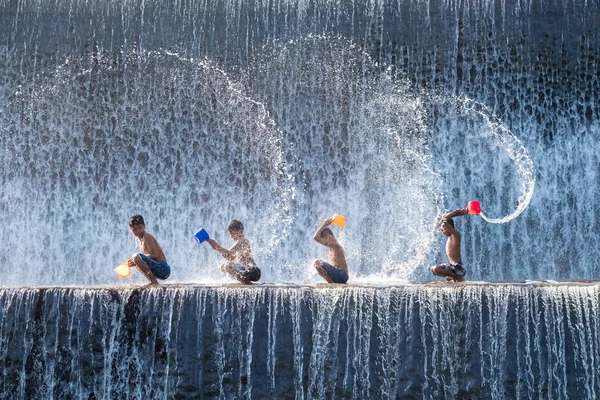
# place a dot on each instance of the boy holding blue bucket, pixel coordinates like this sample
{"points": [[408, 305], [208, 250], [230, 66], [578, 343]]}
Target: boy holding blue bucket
{"points": [[151, 260], [241, 264]]}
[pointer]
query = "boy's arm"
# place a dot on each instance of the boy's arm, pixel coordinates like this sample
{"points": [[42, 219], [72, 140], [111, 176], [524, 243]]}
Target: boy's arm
{"points": [[456, 213], [317, 236], [453, 231], [228, 254]]}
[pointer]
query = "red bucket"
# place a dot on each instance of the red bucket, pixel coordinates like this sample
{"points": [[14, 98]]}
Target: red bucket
{"points": [[474, 207]]}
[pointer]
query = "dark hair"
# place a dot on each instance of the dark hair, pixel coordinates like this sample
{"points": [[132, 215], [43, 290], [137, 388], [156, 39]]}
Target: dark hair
{"points": [[137, 219], [326, 232], [450, 222], [235, 225]]}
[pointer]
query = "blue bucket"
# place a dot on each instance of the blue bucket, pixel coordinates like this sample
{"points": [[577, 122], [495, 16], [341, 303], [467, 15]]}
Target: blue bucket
{"points": [[201, 235]]}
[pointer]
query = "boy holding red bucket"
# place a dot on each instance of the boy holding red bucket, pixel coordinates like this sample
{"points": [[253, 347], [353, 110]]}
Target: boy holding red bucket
{"points": [[455, 269]]}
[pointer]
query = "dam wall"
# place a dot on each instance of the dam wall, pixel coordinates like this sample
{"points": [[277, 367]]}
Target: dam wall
{"points": [[410, 341]]}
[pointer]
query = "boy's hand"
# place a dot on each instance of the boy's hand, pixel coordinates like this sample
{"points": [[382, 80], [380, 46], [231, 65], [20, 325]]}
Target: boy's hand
{"points": [[328, 221]]}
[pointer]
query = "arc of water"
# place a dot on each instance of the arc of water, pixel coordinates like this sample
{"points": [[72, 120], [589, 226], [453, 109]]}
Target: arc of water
{"points": [[518, 153]]}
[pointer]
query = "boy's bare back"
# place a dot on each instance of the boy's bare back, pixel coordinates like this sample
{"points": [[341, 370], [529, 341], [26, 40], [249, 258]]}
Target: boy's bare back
{"points": [[452, 244], [337, 257], [242, 252], [150, 247]]}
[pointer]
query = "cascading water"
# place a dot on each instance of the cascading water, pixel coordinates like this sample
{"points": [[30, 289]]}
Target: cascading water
{"points": [[278, 113], [184, 147], [359, 149], [499, 341]]}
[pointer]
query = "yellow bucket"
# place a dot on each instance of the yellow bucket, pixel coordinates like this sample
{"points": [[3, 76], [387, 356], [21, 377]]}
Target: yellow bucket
{"points": [[339, 220], [123, 270]]}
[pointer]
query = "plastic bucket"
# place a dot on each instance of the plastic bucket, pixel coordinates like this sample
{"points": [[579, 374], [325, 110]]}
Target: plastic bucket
{"points": [[339, 220], [201, 235], [474, 207], [123, 270]]}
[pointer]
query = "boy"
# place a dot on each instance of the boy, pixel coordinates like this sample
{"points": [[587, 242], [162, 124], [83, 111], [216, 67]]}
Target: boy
{"points": [[151, 260], [455, 269], [336, 269], [241, 265]]}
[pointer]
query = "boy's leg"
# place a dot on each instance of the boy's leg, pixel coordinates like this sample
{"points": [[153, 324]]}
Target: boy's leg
{"points": [[441, 270], [318, 264], [144, 269]]}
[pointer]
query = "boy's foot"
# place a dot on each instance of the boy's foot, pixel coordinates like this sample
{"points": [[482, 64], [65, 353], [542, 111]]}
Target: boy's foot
{"points": [[449, 279]]}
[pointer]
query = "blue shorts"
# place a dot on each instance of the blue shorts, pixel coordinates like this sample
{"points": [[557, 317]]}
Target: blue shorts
{"points": [[336, 275], [160, 269]]}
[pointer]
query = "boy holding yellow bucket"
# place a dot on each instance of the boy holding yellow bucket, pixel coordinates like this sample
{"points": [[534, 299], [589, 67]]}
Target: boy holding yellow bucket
{"points": [[151, 260], [335, 269]]}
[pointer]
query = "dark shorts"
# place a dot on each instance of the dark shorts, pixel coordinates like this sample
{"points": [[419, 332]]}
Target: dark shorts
{"points": [[457, 270], [160, 269], [247, 273], [336, 275]]}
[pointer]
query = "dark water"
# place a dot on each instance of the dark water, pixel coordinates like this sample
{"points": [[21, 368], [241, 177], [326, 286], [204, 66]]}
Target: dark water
{"points": [[410, 341]]}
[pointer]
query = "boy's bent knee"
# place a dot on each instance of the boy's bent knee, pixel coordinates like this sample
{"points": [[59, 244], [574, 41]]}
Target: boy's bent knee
{"points": [[318, 264]]}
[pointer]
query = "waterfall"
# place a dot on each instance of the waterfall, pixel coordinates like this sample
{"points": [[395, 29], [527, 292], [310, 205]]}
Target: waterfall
{"points": [[425, 341], [278, 113]]}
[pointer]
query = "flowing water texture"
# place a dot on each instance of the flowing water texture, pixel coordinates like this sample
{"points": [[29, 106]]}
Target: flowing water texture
{"points": [[500, 341], [99, 140]]}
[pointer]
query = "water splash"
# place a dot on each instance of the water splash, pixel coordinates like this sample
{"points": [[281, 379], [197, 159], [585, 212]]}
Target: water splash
{"points": [[105, 137], [496, 165], [517, 152], [358, 144]]}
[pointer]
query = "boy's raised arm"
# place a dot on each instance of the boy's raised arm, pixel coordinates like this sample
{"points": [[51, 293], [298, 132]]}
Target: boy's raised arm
{"points": [[456, 213], [317, 236], [228, 254], [449, 228]]}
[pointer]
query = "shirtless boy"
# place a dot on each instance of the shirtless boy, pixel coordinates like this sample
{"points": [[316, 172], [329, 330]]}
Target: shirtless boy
{"points": [[241, 265], [455, 269], [335, 270], [151, 260]]}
